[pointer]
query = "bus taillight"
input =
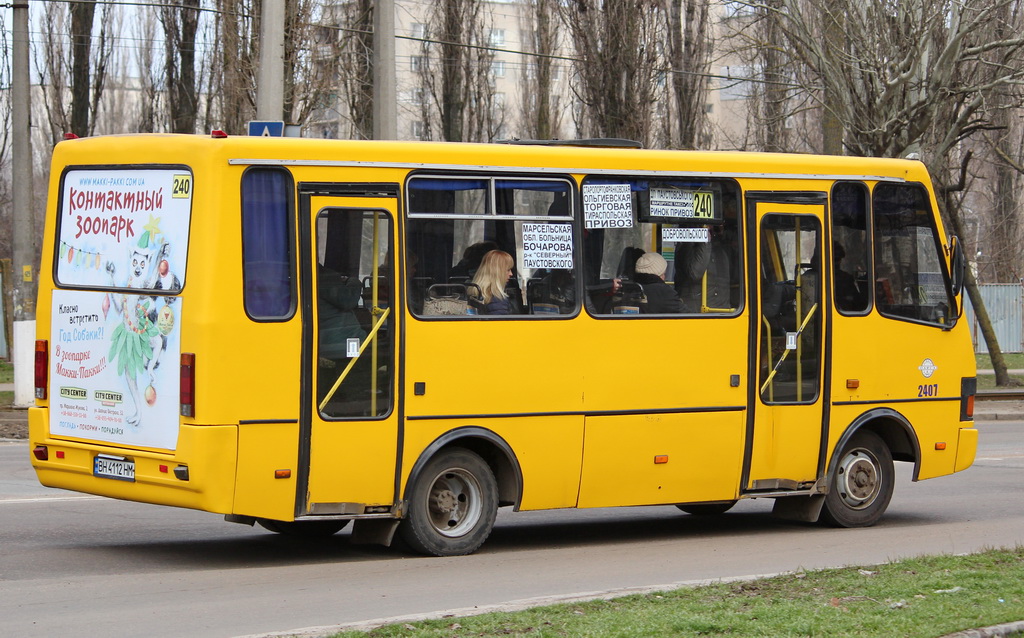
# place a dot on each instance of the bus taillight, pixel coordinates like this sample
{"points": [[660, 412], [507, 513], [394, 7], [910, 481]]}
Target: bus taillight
{"points": [[187, 386], [968, 388], [41, 368]]}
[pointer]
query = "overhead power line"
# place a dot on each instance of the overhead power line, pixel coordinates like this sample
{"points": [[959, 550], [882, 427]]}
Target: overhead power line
{"points": [[563, 58]]}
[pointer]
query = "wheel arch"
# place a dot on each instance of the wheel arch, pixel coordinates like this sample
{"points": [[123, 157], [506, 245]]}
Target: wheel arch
{"points": [[493, 449], [892, 427]]}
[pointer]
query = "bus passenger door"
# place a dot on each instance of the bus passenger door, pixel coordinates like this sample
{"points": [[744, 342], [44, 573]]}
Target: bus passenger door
{"points": [[349, 427], [785, 427]]}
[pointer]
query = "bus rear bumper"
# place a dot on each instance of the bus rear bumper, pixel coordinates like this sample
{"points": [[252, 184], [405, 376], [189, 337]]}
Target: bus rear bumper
{"points": [[966, 449], [199, 474]]}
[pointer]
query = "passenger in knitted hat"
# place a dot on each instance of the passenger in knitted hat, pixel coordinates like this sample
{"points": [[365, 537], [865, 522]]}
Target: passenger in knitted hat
{"points": [[652, 264], [661, 297]]}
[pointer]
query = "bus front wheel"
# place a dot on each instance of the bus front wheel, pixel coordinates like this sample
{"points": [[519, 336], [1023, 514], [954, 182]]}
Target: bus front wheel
{"points": [[452, 505], [862, 483]]}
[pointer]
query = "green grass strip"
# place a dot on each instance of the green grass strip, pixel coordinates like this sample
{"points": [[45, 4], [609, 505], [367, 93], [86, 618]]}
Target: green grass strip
{"points": [[925, 597]]}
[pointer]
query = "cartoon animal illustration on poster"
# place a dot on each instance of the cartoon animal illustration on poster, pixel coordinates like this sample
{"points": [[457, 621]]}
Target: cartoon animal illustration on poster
{"points": [[139, 341], [116, 325]]}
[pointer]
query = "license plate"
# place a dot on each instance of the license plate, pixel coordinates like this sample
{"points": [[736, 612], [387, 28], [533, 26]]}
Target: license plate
{"points": [[113, 467]]}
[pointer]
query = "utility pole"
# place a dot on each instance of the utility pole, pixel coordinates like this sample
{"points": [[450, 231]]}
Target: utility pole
{"points": [[385, 109], [270, 82], [23, 290]]}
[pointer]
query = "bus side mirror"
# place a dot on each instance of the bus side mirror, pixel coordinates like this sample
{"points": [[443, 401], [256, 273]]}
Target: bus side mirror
{"points": [[957, 266], [957, 273]]}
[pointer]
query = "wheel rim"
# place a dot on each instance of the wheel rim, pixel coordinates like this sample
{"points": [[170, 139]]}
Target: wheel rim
{"points": [[859, 478], [454, 503]]}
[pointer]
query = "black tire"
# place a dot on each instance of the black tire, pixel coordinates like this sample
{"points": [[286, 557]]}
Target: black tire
{"points": [[302, 529], [707, 509], [861, 484], [452, 505]]}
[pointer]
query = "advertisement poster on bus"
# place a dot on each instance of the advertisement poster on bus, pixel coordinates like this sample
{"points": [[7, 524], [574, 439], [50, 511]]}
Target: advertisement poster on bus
{"points": [[114, 352]]}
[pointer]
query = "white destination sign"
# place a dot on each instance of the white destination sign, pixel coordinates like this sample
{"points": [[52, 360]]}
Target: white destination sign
{"points": [[607, 206], [684, 235], [671, 202], [547, 246]]}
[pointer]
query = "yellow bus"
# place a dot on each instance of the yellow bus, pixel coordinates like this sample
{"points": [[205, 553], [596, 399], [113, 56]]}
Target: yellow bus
{"points": [[301, 333]]}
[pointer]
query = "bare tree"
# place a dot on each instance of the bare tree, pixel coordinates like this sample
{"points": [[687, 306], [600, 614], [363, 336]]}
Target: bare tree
{"points": [[69, 51], [6, 213], [766, 75], [81, 49], [181, 23], [616, 75], [924, 76], [309, 82], [144, 31], [689, 50], [52, 68], [233, 88], [540, 106], [355, 68], [456, 82]]}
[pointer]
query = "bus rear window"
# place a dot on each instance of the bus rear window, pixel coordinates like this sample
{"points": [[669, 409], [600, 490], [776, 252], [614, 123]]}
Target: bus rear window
{"points": [[267, 244], [124, 228]]}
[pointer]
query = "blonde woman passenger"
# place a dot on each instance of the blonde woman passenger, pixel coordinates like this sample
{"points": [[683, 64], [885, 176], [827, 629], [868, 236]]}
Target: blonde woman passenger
{"points": [[494, 272]]}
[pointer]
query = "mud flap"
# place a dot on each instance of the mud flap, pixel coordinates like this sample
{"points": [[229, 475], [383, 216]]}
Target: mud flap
{"points": [[379, 531], [805, 509]]}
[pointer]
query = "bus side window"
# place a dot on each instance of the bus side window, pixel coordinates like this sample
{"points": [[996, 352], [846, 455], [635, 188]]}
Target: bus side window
{"points": [[693, 223], [850, 248], [910, 277], [455, 220], [267, 269]]}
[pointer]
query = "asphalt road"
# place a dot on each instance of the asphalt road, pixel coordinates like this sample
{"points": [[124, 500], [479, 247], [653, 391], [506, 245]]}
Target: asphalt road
{"points": [[80, 566]]}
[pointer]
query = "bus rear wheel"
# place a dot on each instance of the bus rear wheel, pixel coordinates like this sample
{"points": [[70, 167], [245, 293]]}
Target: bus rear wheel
{"points": [[302, 529], [452, 505], [707, 509], [862, 483]]}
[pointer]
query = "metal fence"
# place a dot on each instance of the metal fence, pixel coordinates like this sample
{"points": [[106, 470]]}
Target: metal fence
{"points": [[1005, 305]]}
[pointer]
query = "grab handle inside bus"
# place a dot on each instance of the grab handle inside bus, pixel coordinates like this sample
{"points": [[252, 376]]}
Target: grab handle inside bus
{"points": [[370, 338], [785, 353]]}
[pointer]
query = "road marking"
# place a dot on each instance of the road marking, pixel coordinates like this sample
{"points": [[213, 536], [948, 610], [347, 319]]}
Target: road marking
{"points": [[51, 499]]}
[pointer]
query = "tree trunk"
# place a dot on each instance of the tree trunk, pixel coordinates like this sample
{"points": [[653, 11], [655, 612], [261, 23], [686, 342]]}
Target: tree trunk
{"points": [[81, 48], [453, 77], [689, 51], [831, 124], [186, 101], [988, 333]]}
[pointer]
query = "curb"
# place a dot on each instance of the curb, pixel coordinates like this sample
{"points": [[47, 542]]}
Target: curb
{"points": [[995, 631], [1000, 416]]}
